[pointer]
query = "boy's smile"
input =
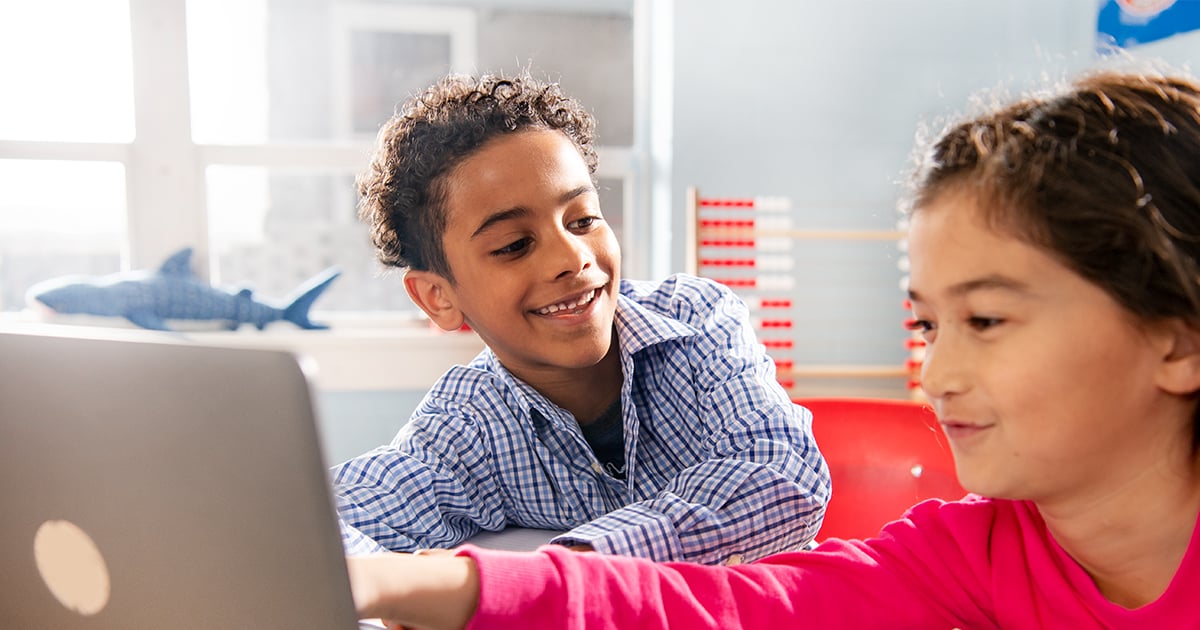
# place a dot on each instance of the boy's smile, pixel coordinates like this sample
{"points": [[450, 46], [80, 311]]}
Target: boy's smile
{"points": [[572, 306], [535, 266]]}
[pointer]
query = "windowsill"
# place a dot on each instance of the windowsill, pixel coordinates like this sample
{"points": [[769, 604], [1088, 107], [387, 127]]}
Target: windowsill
{"points": [[355, 354]]}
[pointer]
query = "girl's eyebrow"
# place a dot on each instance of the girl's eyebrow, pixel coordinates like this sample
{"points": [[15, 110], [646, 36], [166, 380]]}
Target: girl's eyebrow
{"points": [[992, 282]]}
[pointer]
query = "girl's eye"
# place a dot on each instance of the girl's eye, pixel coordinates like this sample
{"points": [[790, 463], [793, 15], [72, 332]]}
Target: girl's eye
{"points": [[984, 323], [922, 327], [514, 247]]}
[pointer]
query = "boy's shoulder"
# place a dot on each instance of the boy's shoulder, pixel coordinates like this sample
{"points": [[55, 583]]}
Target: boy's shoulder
{"points": [[478, 381], [681, 296], [482, 389]]}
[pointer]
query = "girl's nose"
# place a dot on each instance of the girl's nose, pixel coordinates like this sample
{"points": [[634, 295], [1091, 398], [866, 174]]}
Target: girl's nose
{"points": [[942, 371]]}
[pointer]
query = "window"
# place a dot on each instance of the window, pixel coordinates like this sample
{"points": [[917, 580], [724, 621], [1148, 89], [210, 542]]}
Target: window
{"points": [[58, 218], [81, 87], [236, 127]]}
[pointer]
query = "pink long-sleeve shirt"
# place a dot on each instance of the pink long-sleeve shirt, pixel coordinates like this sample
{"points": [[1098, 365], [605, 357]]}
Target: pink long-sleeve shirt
{"points": [[975, 563]]}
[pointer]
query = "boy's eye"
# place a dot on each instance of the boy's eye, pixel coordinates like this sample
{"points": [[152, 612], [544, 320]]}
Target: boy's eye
{"points": [[584, 223], [514, 247]]}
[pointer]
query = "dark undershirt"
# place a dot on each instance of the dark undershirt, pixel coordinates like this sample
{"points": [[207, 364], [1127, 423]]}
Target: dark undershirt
{"points": [[607, 438]]}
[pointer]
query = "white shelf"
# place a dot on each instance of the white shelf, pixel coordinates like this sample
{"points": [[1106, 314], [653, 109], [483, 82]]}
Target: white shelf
{"points": [[353, 355], [363, 359]]}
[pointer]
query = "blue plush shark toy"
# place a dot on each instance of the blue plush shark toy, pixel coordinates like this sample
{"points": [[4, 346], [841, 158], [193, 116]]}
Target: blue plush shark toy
{"points": [[149, 298]]}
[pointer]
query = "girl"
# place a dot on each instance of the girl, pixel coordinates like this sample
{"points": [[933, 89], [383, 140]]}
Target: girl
{"points": [[1055, 250]]}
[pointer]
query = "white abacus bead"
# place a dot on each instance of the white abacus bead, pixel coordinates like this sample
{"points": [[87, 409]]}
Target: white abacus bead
{"points": [[773, 244], [774, 223], [773, 282], [772, 204], [774, 263]]}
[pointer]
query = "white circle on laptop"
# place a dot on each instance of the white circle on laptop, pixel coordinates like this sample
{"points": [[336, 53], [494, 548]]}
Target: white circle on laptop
{"points": [[72, 567]]}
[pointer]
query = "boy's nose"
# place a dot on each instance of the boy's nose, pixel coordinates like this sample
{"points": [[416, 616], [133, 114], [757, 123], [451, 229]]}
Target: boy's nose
{"points": [[569, 255]]}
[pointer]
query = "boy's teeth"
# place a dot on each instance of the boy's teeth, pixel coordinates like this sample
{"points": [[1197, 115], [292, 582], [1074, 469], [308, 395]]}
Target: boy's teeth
{"points": [[583, 299]]}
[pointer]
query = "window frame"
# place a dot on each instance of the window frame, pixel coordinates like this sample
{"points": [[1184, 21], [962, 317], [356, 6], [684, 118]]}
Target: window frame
{"points": [[165, 167], [165, 180]]}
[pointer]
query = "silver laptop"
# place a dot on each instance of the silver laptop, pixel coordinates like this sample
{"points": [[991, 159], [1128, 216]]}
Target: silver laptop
{"points": [[148, 482]]}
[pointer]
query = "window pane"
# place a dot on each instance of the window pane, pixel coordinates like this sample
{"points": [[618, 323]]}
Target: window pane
{"points": [[611, 192], [590, 54], [227, 70], [58, 218], [378, 83], [272, 229], [73, 75], [320, 70], [333, 70]]}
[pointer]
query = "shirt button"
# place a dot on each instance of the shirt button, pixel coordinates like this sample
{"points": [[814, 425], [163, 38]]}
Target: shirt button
{"points": [[597, 468]]}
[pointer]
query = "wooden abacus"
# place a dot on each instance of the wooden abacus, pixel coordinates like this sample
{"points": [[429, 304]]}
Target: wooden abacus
{"points": [[753, 236]]}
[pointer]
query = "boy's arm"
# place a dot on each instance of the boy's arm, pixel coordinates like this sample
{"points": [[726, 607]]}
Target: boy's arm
{"points": [[763, 487], [431, 488], [356, 543], [760, 501]]}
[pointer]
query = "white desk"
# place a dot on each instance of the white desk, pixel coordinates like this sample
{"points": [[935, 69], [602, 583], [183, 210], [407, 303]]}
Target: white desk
{"points": [[514, 538]]}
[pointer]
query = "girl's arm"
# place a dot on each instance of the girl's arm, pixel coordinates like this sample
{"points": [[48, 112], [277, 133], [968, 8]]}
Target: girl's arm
{"points": [[930, 570], [433, 591]]}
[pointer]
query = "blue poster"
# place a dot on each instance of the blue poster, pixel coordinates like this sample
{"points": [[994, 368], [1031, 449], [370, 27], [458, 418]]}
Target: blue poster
{"points": [[1127, 23]]}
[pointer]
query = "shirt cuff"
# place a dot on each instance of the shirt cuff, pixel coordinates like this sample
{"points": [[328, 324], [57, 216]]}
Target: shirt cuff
{"points": [[356, 543], [630, 531]]}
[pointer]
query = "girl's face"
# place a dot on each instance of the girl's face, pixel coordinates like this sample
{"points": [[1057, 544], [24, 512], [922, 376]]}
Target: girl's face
{"points": [[1045, 386]]}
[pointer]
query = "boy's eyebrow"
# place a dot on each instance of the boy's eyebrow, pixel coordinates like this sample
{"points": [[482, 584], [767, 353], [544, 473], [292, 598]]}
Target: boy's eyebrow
{"points": [[992, 282], [497, 217], [577, 191], [519, 211]]}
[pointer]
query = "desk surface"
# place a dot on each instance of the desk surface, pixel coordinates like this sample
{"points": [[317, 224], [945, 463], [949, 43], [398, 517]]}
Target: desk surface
{"points": [[514, 538]]}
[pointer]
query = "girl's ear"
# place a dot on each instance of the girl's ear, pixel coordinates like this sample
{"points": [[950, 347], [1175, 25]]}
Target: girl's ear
{"points": [[1179, 372], [435, 295]]}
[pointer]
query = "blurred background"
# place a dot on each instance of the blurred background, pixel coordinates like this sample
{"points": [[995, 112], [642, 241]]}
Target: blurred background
{"points": [[132, 128]]}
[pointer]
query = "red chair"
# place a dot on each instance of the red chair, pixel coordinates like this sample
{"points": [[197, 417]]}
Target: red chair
{"points": [[884, 456]]}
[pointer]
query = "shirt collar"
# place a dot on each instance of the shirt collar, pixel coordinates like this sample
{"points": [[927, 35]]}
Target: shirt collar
{"points": [[639, 328], [521, 395]]}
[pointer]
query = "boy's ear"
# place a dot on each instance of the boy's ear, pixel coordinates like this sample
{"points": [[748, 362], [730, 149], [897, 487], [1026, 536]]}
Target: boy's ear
{"points": [[1179, 372], [435, 295]]}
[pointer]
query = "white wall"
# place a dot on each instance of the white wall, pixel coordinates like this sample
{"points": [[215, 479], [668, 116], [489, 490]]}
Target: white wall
{"points": [[819, 102]]}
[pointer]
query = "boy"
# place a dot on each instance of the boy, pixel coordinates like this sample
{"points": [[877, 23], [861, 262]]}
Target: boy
{"points": [[643, 417]]}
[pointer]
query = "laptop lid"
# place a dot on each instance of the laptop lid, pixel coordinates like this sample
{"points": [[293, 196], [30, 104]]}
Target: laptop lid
{"points": [[152, 483]]}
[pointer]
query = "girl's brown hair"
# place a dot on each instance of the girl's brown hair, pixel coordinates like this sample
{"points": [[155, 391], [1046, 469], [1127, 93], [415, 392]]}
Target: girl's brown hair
{"points": [[1104, 175]]}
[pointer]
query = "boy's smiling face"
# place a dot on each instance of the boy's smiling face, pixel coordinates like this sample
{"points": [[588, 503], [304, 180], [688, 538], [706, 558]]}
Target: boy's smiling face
{"points": [[535, 265]]}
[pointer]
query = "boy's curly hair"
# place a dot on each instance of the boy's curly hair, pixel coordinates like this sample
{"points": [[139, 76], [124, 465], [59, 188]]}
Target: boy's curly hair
{"points": [[402, 193]]}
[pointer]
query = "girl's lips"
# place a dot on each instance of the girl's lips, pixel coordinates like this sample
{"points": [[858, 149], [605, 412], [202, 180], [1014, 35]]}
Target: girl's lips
{"points": [[963, 430]]}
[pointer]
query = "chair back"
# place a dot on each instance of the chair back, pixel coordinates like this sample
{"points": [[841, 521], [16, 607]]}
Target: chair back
{"points": [[884, 456]]}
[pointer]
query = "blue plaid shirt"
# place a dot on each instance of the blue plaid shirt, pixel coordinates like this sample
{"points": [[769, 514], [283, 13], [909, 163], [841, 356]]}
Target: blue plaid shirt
{"points": [[720, 463]]}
